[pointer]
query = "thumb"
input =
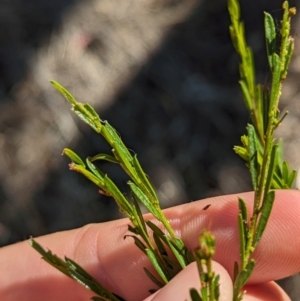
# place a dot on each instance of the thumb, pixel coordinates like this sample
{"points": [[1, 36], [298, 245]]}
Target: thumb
{"points": [[178, 288]]}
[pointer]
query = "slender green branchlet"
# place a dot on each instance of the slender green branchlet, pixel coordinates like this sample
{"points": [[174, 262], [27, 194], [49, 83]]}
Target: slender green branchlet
{"points": [[260, 150]]}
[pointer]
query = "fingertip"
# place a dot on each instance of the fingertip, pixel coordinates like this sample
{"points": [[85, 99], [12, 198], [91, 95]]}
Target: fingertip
{"points": [[178, 288], [276, 254], [269, 291]]}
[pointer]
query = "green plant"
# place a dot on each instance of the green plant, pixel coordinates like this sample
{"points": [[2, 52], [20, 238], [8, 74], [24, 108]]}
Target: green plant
{"points": [[262, 153], [260, 150]]}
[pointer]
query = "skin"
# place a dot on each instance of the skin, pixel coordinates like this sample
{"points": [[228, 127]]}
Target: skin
{"points": [[118, 264]]}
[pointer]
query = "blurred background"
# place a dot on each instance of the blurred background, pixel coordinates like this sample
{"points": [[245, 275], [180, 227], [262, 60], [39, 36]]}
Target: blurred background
{"points": [[163, 72]]}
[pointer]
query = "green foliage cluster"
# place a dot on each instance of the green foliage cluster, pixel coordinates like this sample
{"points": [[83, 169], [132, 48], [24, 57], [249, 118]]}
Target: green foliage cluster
{"points": [[261, 152], [150, 239]]}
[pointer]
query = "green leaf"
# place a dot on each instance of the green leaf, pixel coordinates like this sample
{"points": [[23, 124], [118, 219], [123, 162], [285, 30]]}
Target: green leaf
{"points": [[84, 111], [276, 82], [113, 138], [252, 155], [138, 243], [120, 199], [75, 271], [178, 254], [153, 278], [79, 168], [95, 170], [285, 171], [234, 10], [204, 292], [216, 287], [283, 177], [133, 230], [244, 213], [264, 217], [235, 270], [82, 277], [289, 53], [176, 248], [242, 237], [91, 114], [139, 219], [260, 106], [291, 178], [270, 33], [73, 157], [173, 266], [246, 94], [52, 259], [243, 276], [243, 228], [195, 296], [266, 107], [156, 265], [159, 233], [189, 256], [104, 157], [277, 182], [279, 158], [156, 230], [234, 38], [64, 92], [271, 169], [143, 177], [160, 246], [249, 69], [242, 152], [143, 198]]}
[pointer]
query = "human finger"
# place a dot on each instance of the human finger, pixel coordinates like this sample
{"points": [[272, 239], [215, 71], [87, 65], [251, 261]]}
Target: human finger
{"points": [[178, 288], [268, 291], [118, 264]]}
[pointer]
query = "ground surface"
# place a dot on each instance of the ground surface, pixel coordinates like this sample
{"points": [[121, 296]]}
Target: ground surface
{"points": [[163, 72]]}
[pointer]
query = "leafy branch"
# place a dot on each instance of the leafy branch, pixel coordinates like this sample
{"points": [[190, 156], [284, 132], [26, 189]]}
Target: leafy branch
{"points": [[142, 192], [262, 153], [76, 272]]}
